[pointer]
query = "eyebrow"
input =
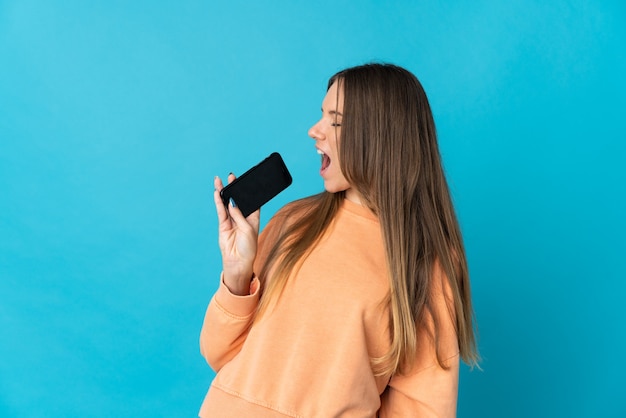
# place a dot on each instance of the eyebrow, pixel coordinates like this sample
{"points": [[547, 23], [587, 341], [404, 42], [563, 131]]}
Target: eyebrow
{"points": [[333, 112]]}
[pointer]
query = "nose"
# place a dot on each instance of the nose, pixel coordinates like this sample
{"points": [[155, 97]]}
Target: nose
{"points": [[315, 132]]}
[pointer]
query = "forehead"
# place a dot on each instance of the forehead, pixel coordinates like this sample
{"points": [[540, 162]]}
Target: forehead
{"points": [[333, 99]]}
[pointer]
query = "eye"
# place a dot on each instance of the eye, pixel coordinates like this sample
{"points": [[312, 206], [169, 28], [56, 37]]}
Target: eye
{"points": [[335, 125]]}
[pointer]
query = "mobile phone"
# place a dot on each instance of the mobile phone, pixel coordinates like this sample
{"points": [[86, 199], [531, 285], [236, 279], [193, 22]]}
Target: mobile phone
{"points": [[259, 185]]}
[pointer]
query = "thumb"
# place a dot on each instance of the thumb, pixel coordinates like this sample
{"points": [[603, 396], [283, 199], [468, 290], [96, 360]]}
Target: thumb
{"points": [[235, 213]]}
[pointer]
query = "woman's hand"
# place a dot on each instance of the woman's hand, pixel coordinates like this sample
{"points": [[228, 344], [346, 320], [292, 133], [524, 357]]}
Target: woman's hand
{"points": [[238, 242]]}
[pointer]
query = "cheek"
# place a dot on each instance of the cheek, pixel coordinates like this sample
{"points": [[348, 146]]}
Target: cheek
{"points": [[335, 143]]}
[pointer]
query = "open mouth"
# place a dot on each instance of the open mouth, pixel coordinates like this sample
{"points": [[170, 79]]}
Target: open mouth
{"points": [[325, 160]]}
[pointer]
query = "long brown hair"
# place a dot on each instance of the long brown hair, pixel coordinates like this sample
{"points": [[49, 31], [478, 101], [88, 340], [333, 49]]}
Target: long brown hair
{"points": [[388, 152]]}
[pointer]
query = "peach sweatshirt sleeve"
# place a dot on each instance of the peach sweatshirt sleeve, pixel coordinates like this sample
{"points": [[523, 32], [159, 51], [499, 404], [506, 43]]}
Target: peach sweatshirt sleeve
{"points": [[228, 317]]}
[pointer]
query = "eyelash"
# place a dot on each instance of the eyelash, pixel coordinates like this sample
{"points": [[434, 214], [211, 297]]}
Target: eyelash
{"points": [[335, 125]]}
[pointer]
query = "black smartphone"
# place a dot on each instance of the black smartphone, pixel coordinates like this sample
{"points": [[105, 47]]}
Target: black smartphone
{"points": [[259, 185]]}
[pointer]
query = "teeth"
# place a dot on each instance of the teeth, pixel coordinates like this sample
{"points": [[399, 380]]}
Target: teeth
{"points": [[320, 152]]}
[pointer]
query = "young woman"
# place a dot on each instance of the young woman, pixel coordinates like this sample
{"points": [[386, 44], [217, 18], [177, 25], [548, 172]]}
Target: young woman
{"points": [[354, 302]]}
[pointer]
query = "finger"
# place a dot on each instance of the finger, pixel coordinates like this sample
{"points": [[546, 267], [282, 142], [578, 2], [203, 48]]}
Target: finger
{"points": [[219, 185], [222, 215], [237, 216], [217, 182]]}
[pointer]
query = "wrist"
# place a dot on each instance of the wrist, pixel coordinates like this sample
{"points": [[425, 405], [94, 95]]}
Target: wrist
{"points": [[239, 286]]}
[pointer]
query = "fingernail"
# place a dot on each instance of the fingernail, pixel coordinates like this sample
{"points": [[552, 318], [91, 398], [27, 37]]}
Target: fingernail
{"points": [[232, 202]]}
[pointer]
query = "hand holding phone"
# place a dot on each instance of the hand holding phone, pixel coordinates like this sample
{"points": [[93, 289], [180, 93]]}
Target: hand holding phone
{"points": [[259, 185], [238, 232], [238, 238]]}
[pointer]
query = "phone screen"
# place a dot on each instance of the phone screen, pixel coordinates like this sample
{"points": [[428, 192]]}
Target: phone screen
{"points": [[259, 185]]}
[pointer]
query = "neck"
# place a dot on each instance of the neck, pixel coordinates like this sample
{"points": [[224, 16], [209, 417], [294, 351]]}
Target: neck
{"points": [[354, 196]]}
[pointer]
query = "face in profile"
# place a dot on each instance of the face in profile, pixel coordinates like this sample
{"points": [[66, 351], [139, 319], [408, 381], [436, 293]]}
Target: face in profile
{"points": [[326, 133]]}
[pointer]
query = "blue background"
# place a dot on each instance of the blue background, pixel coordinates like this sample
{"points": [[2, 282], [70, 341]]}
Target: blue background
{"points": [[115, 116]]}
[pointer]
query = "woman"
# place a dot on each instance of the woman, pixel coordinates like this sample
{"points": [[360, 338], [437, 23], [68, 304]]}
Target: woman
{"points": [[354, 302]]}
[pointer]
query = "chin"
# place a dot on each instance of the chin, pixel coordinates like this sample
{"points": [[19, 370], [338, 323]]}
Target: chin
{"points": [[335, 188]]}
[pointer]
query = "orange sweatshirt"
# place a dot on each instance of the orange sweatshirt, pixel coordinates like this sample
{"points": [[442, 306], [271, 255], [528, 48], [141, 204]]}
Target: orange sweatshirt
{"points": [[310, 355]]}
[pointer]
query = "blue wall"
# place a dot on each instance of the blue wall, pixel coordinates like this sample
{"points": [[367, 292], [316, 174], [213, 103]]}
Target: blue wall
{"points": [[115, 116]]}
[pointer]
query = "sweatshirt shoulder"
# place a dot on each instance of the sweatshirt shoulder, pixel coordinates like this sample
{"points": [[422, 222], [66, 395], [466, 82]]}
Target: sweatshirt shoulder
{"points": [[290, 213], [276, 227]]}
